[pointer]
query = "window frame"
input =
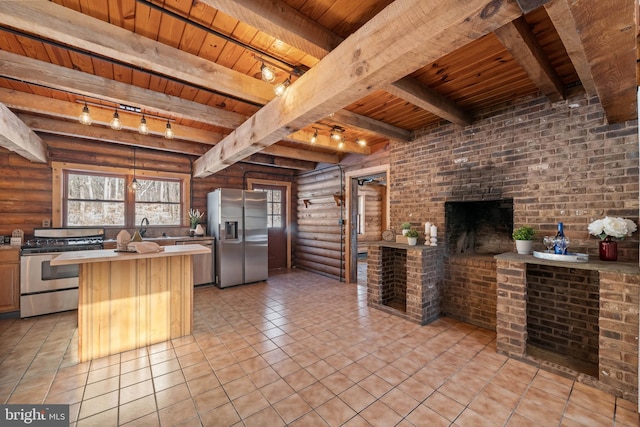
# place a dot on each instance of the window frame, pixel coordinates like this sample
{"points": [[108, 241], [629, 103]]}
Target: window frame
{"points": [[59, 169]]}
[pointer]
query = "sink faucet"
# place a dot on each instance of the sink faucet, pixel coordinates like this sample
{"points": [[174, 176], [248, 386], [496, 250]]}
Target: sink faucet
{"points": [[143, 226]]}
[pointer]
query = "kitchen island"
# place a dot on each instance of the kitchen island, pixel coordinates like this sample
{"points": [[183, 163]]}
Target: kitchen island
{"points": [[131, 300]]}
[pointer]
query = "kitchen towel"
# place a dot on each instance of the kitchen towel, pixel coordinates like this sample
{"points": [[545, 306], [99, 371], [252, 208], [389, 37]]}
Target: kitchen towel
{"points": [[145, 247]]}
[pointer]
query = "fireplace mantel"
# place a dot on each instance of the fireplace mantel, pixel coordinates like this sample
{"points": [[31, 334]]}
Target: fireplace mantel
{"points": [[592, 264]]}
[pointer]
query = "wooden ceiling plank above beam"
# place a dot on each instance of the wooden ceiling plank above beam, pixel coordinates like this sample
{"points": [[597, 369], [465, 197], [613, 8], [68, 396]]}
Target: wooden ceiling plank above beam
{"points": [[45, 74], [16, 136], [63, 25], [278, 19], [281, 162], [565, 25], [608, 36], [298, 153], [370, 59], [518, 39]]}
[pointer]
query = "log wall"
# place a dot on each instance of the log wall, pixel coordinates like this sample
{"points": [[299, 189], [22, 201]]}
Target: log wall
{"points": [[26, 187]]}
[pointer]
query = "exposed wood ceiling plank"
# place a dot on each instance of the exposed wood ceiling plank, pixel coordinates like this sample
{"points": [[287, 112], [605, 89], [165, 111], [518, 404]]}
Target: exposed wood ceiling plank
{"points": [[42, 73], [414, 92], [608, 35], [565, 25], [17, 137], [100, 133], [516, 36], [277, 18], [370, 59], [283, 22], [25, 102], [64, 25]]}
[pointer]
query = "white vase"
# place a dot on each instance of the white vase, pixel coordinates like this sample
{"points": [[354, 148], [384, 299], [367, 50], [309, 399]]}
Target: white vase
{"points": [[199, 231], [524, 247], [412, 241], [404, 232]]}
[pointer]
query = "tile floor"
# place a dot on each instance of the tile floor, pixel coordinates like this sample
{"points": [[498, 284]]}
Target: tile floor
{"points": [[300, 350]]}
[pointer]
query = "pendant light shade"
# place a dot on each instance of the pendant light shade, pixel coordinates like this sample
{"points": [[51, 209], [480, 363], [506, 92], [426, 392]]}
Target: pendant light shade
{"points": [[142, 128], [268, 75], [168, 132], [134, 183], [85, 116], [115, 123], [280, 88]]}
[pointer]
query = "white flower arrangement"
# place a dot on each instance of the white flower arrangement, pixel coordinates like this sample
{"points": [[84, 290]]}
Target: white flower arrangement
{"points": [[612, 227], [194, 217]]}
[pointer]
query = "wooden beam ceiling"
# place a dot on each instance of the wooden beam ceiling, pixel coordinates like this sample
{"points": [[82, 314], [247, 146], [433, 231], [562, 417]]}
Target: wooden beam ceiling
{"points": [[17, 137], [370, 58]]}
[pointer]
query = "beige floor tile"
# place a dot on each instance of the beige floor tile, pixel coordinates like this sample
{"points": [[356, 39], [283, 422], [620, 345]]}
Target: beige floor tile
{"points": [[103, 419], [169, 380], [178, 412], [425, 416], [264, 376], [380, 414], [310, 419], [172, 395], [136, 409], [375, 385], [300, 379], [150, 420], [134, 377], [276, 391], [249, 404], [239, 387], [316, 394], [399, 401], [98, 404], [357, 398], [212, 399], [291, 408], [443, 405], [101, 387], [136, 391], [335, 412]]}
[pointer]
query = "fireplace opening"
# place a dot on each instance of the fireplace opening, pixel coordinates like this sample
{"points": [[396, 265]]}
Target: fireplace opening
{"points": [[481, 227], [394, 279], [562, 317]]}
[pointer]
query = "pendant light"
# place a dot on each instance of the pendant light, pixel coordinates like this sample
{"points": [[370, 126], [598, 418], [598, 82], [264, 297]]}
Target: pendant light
{"points": [[142, 128], [85, 116], [134, 183], [115, 123], [280, 88], [268, 75], [314, 138], [168, 132]]}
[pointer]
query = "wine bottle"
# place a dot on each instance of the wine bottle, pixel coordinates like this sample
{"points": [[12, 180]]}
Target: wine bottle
{"points": [[558, 247]]}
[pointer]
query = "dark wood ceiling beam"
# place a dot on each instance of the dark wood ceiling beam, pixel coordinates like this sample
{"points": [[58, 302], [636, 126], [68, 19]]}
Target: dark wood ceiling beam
{"points": [[67, 80], [346, 117], [565, 25], [364, 69], [63, 25], [17, 137], [301, 154], [608, 38], [518, 39], [276, 18]]}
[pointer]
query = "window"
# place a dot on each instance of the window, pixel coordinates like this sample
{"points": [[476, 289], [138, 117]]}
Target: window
{"points": [[274, 207], [100, 197]]}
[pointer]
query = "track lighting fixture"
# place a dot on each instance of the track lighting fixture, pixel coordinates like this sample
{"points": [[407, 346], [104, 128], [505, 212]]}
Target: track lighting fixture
{"points": [[268, 75], [336, 133], [280, 88], [115, 123], [85, 116], [142, 128], [168, 132], [314, 138]]}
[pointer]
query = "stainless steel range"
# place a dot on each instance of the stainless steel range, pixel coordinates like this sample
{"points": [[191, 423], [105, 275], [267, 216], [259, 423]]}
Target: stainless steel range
{"points": [[49, 289]]}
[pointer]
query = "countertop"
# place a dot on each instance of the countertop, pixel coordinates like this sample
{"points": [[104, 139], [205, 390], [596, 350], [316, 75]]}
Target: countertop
{"points": [[7, 247], [593, 264], [102, 255]]}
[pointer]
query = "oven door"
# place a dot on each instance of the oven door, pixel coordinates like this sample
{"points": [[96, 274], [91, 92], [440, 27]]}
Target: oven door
{"points": [[45, 288]]}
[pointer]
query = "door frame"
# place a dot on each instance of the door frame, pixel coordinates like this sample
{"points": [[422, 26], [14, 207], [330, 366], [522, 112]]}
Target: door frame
{"points": [[250, 184], [351, 200]]}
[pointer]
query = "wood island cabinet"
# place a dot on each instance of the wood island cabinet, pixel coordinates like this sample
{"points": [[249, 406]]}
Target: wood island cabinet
{"points": [[9, 280]]}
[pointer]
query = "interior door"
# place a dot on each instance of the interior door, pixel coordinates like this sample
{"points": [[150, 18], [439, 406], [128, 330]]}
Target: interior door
{"points": [[277, 223]]}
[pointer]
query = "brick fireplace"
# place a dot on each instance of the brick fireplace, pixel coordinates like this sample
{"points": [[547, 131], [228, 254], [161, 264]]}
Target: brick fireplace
{"points": [[588, 325]]}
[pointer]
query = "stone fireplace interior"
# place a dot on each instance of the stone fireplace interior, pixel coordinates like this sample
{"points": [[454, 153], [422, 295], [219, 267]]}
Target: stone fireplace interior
{"points": [[480, 227]]}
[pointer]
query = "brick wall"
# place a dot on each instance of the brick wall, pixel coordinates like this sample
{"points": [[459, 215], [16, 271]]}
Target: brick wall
{"points": [[559, 162], [394, 278], [563, 312], [469, 291]]}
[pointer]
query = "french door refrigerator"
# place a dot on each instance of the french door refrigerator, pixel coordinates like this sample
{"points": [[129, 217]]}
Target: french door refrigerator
{"points": [[238, 221]]}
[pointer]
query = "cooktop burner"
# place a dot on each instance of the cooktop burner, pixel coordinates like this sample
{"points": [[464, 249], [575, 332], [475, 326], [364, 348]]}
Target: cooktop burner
{"points": [[64, 239]]}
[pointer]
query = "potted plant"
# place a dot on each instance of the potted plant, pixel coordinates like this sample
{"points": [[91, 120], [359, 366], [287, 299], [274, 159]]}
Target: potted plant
{"points": [[406, 226], [524, 239], [194, 222], [412, 237]]}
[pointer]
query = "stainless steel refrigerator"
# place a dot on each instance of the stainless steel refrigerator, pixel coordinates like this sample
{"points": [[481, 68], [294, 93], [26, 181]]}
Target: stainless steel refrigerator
{"points": [[238, 221]]}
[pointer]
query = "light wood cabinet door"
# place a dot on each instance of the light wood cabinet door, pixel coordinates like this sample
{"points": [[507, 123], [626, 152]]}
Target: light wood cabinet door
{"points": [[9, 286]]}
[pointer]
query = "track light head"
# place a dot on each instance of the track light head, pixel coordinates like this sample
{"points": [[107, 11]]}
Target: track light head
{"points": [[268, 75], [168, 132], [314, 138], [280, 88], [142, 128], [85, 116], [115, 123]]}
